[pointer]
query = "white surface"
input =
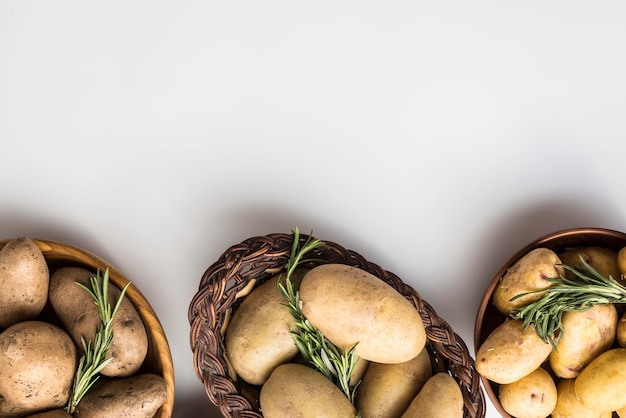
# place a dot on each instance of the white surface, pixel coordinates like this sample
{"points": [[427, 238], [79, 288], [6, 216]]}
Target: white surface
{"points": [[435, 138]]}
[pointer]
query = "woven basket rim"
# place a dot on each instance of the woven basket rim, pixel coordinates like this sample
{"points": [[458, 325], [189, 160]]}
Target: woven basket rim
{"points": [[258, 258]]}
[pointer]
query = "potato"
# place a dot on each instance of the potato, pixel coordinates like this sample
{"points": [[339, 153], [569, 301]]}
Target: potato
{"points": [[258, 337], [621, 261], [533, 396], [602, 259], [510, 353], [54, 413], [387, 389], [528, 274], [24, 278], [349, 306], [138, 396], [620, 333], [295, 390], [79, 315], [37, 366], [440, 397], [601, 386], [621, 413], [585, 335], [568, 404], [359, 371]]}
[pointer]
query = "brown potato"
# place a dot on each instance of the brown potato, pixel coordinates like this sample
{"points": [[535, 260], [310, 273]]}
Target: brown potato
{"points": [[528, 274], [24, 279], [54, 413], [138, 396], [620, 334], [601, 386], [568, 404], [37, 366], [534, 395], [387, 389], [604, 260], [440, 397], [78, 313]]}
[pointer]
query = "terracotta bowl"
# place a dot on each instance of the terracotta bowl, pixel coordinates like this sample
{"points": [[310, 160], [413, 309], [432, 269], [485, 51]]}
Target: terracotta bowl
{"points": [[158, 359], [488, 317]]}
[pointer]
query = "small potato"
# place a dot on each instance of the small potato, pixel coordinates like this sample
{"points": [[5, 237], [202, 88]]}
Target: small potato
{"points": [[533, 396], [528, 274], [440, 397], [621, 261], [351, 306], [387, 389], [568, 404], [601, 386], [604, 260], [585, 335], [138, 396], [296, 390], [79, 314], [54, 413], [24, 278], [620, 334], [37, 366], [510, 352]]}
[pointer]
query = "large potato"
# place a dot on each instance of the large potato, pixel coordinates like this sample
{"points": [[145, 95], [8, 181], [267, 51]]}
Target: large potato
{"points": [[296, 390], [601, 386], [568, 404], [349, 306], [387, 389], [79, 314], [528, 274], [37, 366], [510, 352], [533, 396], [585, 335], [440, 397], [258, 336], [604, 260], [24, 279], [54, 413]]}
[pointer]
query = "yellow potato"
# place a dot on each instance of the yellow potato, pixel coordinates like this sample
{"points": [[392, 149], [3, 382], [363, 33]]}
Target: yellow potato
{"points": [[601, 386], [54, 413], [359, 371], [295, 390], [387, 389], [510, 353], [604, 260], [585, 335], [533, 396], [349, 306], [528, 274], [568, 404], [621, 261], [620, 334], [440, 397]]}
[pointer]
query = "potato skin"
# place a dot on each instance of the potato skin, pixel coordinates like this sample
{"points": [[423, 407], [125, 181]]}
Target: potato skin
{"points": [[138, 396], [24, 278], [534, 395], [387, 389], [349, 306], [440, 397], [79, 315], [604, 260], [510, 352], [296, 390], [37, 366], [54, 413], [527, 274], [568, 404], [601, 386], [585, 335]]}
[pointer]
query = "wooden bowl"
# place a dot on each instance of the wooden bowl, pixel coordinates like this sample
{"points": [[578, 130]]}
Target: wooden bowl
{"points": [[158, 359], [242, 266], [488, 317]]}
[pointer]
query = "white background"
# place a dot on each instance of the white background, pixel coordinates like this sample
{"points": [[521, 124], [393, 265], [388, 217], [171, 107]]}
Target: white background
{"points": [[434, 138]]}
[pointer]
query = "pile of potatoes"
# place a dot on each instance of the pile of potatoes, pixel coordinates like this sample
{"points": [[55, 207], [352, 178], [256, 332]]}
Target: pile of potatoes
{"points": [[585, 375], [43, 316], [349, 306]]}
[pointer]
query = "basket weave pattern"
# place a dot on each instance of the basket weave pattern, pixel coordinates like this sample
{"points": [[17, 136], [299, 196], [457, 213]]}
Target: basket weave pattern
{"points": [[259, 258]]}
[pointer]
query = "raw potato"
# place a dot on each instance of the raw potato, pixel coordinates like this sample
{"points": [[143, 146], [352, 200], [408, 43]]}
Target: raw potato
{"points": [[349, 306], [568, 404], [528, 274], [24, 279], [621, 261], [138, 396], [601, 385], [258, 337], [387, 389], [37, 366], [440, 397], [55, 413], [533, 396], [295, 390], [620, 334], [510, 353], [585, 335], [78, 313], [602, 259]]}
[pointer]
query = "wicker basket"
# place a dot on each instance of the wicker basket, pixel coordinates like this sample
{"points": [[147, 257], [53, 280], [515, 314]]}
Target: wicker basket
{"points": [[226, 282]]}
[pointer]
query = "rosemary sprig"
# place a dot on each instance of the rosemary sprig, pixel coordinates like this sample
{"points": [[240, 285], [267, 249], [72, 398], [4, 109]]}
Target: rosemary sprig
{"points": [[94, 358], [588, 289], [316, 349]]}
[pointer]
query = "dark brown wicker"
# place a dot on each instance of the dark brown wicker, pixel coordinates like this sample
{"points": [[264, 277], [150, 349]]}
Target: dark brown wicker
{"points": [[258, 258]]}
